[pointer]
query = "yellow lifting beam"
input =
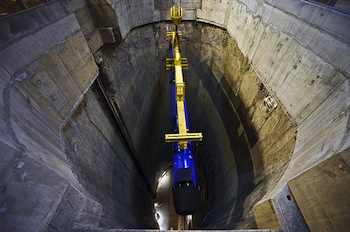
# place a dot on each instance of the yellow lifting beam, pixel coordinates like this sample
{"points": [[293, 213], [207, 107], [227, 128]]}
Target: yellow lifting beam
{"points": [[178, 63], [176, 15]]}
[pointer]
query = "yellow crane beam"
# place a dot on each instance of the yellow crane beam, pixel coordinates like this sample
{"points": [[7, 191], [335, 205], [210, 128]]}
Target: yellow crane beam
{"points": [[178, 63]]}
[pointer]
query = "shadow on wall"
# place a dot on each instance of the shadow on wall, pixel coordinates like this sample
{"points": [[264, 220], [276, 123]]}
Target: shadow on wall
{"points": [[102, 161], [10, 6], [259, 140], [227, 162]]}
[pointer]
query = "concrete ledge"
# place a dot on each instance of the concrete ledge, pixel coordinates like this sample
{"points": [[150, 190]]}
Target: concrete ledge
{"points": [[322, 194], [75, 211], [32, 46], [265, 215], [107, 35], [13, 27], [317, 200]]}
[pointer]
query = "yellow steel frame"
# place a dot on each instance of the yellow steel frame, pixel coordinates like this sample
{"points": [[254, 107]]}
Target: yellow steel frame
{"points": [[178, 63], [176, 15]]}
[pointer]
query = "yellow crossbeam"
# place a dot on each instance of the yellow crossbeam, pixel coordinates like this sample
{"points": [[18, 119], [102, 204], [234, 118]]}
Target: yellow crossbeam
{"points": [[183, 137]]}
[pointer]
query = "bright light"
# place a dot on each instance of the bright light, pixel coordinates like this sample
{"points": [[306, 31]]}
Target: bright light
{"points": [[164, 179], [161, 205]]}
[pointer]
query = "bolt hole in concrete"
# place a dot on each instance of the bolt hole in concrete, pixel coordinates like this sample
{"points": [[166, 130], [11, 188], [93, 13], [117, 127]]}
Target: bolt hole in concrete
{"points": [[289, 197]]}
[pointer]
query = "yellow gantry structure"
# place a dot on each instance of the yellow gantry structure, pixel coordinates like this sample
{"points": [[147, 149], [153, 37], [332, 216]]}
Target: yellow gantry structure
{"points": [[178, 63]]}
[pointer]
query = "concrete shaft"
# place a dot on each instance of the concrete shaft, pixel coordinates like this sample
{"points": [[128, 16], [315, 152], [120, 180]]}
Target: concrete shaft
{"points": [[268, 85]]}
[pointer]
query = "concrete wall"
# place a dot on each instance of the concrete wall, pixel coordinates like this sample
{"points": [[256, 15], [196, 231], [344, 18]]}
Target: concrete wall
{"points": [[24, 70], [102, 161], [47, 68], [136, 82], [299, 51], [105, 20], [304, 66], [133, 13], [39, 49], [309, 192], [243, 153]]}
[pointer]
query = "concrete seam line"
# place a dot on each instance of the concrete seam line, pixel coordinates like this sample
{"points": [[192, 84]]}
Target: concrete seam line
{"points": [[75, 106]]}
